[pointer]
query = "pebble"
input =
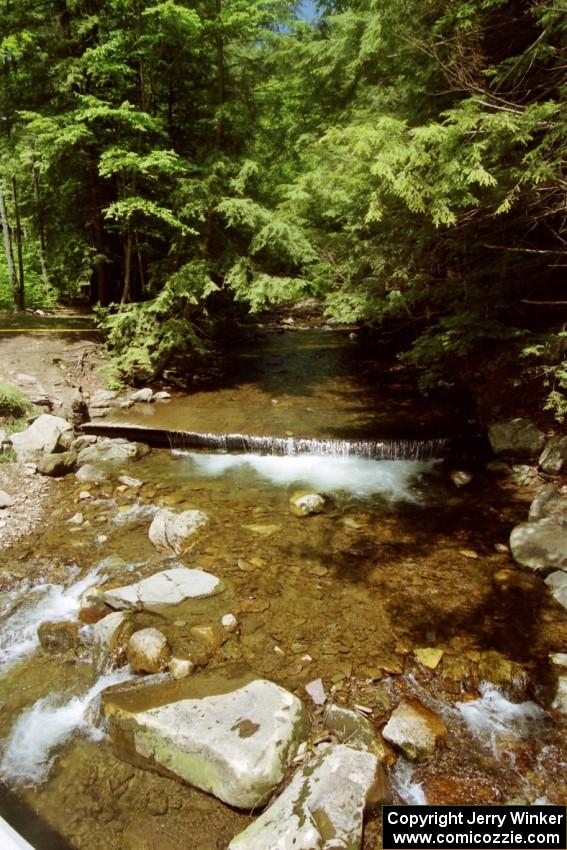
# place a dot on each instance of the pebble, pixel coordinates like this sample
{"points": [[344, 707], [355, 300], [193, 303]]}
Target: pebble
{"points": [[469, 553], [316, 691], [76, 519], [229, 622]]}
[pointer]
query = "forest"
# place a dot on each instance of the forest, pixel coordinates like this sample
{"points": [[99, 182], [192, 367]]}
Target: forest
{"points": [[402, 162]]}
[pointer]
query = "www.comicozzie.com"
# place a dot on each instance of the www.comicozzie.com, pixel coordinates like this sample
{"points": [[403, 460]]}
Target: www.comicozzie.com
{"points": [[462, 827]]}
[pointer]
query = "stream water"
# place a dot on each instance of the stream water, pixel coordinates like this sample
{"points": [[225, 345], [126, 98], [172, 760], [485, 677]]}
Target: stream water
{"points": [[400, 560]]}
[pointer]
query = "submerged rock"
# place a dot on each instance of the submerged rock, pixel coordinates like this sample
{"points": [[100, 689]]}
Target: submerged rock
{"points": [[321, 809], [553, 458], [171, 529], [169, 587], [92, 474], [148, 651], [305, 503], [110, 450], [233, 738], [350, 728], [415, 729], [57, 464], [540, 544], [58, 636], [516, 438], [460, 477], [45, 435]]}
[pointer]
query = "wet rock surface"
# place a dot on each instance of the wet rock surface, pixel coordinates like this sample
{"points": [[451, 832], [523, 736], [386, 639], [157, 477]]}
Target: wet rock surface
{"points": [[415, 729], [148, 651], [169, 587], [540, 544], [175, 530], [112, 451]]}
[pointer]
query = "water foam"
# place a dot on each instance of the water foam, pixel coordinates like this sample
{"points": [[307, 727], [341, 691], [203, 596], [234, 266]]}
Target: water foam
{"points": [[410, 793], [33, 606], [496, 721], [353, 475], [43, 728]]}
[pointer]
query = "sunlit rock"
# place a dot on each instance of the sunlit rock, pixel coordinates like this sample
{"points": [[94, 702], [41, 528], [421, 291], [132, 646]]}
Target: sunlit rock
{"points": [[460, 477], [321, 809], [415, 729], [143, 395], [110, 640], [305, 503], [549, 502], [557, 583], [148, 651], [169, 587], [516, 438], [91, 473], [180, 667], [171, 529], [110, 450], [233, 738], [358, 732], [57, 464], [541, 544], [553, 458], [92, 606], [429, 656], [45, 435]]}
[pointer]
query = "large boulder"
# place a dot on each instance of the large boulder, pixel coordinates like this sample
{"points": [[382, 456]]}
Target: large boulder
{"points": [[110, 450], [541, 544], [169, 587], [549, 502], [231, 737], [553, 458], [415, 729], [45, 435], [58, 464], [321, 809], [171, 529], [516, 438]]}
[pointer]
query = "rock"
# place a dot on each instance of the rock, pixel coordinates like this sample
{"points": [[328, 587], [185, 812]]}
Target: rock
{"points": [[211, 637], [45, 435], [549, 502], [92, 606], [495, 668], [162, 395], [357, 732], [180, 667], [148, 651], [6, 501], [560, 698], [77, 408], [169, 587], [130, 482], [321, 809], [112, 451], [58, 636], [460, 478], [102, 398], [264, 530], [516, 438], [76, 519], [415, 729], [429, 656], [469, 553], [58, 464], [92, 474], [501, 548], [229, 622], [524, 476], [110, 640], [98, 412], [171, 529], [553, 458], [232, 737], [83, 441], [540, 544], [145, 395], [316, 691], [557, 583], [304, 503]]}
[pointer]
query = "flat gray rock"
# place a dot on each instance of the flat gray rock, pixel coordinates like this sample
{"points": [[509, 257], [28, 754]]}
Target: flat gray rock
{"points": [[45, 435], [171, 529], [321, 809], [235, 744], [112, 451], [169, 587]]}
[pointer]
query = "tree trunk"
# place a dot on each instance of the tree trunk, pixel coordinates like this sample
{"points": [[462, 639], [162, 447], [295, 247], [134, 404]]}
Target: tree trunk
{"points": [[19, 297], [127, 268], [42, 245], [8, 242]]}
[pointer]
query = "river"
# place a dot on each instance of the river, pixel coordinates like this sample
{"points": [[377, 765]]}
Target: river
{"points": [[400, 560]]}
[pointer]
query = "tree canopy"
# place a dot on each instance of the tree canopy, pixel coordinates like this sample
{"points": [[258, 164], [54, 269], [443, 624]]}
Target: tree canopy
{"points": [[404, 162]]}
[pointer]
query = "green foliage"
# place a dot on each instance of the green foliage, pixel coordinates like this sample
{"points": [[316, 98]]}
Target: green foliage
{"points": [[14, 404]]}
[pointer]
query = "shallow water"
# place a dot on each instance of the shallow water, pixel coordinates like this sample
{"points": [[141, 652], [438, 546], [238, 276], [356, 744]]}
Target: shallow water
{"points": [[346, 595]]}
